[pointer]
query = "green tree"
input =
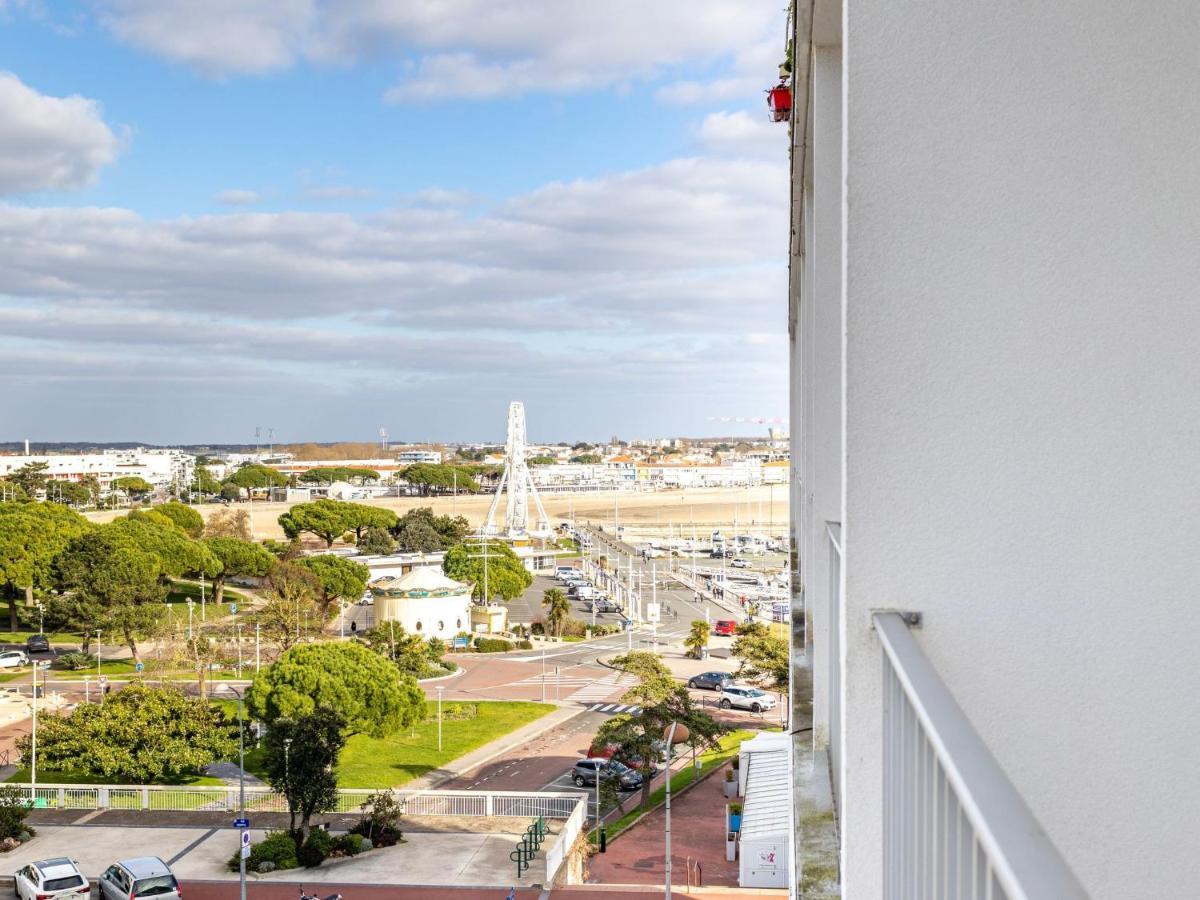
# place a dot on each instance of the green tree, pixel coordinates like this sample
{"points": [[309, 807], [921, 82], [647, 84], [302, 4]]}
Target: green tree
{"points": [[11, 492], [185, 518], [376, 542], [697, 639], [327, 519], [70, 493], [763, 658], [300, 757], [32, 535], [439, 478], [368, 691], [290, 612], [230, 491], [203, 481], [255, 476], [138, 735], [237, 558], [178, 554], [113, 585], [558, 607], [541, 461], [662, 700], [506, 574], [360, 517], [133, 486], [340, 579], [586, 458], [420, 531], [330, 474], [411, 654], [31, 477]]}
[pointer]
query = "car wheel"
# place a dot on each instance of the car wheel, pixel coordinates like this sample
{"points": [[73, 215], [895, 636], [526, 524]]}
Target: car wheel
{"points": [[725, 704], [754, 707], [692, 684], [578, 780]]}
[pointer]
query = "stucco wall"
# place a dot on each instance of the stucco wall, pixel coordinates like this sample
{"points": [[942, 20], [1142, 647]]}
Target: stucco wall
{"points": [[1023, 408]]}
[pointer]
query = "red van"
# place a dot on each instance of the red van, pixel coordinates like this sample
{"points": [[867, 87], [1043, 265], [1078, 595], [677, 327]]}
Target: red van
{"points": [[724, 627]]}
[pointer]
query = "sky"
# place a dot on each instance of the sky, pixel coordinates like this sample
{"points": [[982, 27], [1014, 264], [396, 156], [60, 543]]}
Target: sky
{"points": [[325, 217]]}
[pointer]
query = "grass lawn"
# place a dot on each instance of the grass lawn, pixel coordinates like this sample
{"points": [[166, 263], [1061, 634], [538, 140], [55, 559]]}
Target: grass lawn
{"points": [[182, 591], [709, 760], [49, 776], [18, 637], [369, 762]]}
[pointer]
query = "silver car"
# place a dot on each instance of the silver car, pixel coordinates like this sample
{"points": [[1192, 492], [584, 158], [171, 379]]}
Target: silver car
{"points": [[751, 698], [144, 876], [57, 878], [12, 658]]}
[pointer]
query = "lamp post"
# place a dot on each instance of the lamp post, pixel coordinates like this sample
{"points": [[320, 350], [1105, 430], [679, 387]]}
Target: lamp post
{"points": [[674, 734], [99, 675], [191, 605], [439, 693], [242, 785]]}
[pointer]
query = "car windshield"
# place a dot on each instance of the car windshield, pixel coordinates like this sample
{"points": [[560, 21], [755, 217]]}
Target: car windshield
{"points": [[756, 693], [159, 884], [61, 884], [617, 768]]}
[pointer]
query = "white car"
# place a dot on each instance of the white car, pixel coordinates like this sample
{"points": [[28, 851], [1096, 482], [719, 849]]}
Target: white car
{"points": [[59, 878], [751, 698], [741, 564], [12, 658], [367, 599]]}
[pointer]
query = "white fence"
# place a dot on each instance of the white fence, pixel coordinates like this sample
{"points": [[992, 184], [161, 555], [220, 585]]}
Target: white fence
{"points": [[954, 826], [557, 854], [480, 804]]}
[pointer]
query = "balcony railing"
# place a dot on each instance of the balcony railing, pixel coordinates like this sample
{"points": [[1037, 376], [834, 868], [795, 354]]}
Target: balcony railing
{"points": [[954, 826]]}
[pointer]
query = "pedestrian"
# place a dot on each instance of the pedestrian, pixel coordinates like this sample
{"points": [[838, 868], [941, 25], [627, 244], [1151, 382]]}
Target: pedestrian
{"points": [[353, 627], [512, 894]]}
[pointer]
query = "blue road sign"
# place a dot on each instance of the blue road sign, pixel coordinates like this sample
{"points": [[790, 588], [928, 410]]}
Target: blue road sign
{"points": [[233, 608], [139, 666], [241, 823]]}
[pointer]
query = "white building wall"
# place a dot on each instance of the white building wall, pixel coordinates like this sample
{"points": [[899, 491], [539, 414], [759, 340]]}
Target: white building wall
{"points": [[1023, 409]]}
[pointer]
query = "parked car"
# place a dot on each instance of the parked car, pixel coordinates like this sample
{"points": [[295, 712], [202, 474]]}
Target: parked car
{"points": [[143, 876], [711, 681], [59, 878], [11, 658], [750, 698], [565, 572], [37, 643], [367, 599], [724, 627], [584, 774], [740, 563]]}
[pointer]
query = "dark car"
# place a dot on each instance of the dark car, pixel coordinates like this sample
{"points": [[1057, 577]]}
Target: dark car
{"points": [[710, 681], [37, 643], [584, 774]]}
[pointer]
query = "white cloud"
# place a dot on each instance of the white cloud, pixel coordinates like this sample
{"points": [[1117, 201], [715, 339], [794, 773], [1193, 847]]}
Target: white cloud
{"points": [[338, 192], [742, 133], [456, 48], [50, 143], [238, 197]]}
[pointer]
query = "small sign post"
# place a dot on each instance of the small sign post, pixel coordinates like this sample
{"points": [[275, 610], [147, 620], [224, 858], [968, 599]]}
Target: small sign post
{"points": [[245, 845]]}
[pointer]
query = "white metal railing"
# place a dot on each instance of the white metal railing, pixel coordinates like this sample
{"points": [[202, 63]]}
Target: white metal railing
{"points": [[481, 804], [954, 826]]}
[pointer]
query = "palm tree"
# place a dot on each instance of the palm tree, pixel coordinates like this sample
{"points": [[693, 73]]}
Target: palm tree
{"points": [[697, 638], [557, 610]]}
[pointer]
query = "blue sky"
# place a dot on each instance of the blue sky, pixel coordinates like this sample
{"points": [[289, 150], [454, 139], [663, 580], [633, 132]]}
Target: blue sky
{"points": [[330, 216]]}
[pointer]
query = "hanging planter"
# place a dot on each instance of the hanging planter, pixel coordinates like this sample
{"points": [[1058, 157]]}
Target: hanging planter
{"points": [[779, 102]]}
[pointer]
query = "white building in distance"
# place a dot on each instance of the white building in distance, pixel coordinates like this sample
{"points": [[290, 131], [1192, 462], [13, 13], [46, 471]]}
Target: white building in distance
{"points": [[424, 602], [165, 469]]}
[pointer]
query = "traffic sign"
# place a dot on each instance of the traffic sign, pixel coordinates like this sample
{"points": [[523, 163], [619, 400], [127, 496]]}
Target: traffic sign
{"points": [[241, 823], [233, 608], [103, 679], [139, 666], [245, 845]]}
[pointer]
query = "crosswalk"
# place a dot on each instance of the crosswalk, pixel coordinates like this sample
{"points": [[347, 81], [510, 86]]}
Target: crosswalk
{"points": [[615, 709], [602, 688], [559, 679]]}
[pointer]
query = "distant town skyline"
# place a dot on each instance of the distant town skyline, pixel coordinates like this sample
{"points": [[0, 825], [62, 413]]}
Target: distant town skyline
{"points": [[337, 217]]}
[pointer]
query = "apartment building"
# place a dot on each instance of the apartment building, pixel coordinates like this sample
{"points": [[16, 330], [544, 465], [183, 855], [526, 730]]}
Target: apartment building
{"points": [[996, 427], [166, 469]]}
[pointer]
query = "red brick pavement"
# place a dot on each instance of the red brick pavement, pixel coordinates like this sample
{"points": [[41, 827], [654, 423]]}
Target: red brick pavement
{"points": [[697, 833], [228, 890]]}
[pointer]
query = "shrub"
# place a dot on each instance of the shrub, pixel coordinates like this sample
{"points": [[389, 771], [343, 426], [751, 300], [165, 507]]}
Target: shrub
{"points": [[380, 822], [76, 661], [457, 712], [316, 848], [349, 844], [492, 645], [524, 645], [276, 851], [13, 810]]}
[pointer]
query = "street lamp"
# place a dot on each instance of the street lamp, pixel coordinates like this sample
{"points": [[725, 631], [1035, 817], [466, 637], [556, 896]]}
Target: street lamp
{"points": [[674, 734], [439, 693], [242, 783]]}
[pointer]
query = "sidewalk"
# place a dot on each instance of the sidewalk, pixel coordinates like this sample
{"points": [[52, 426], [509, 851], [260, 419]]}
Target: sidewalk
{"points": [[697, 833], [490, 751]]}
